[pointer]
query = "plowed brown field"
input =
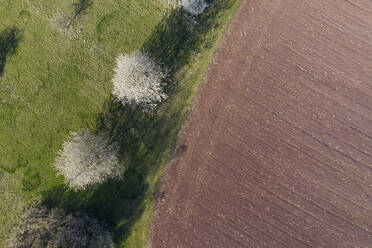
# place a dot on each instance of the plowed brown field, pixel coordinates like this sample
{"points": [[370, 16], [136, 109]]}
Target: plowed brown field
{"points": [[278, 149]]}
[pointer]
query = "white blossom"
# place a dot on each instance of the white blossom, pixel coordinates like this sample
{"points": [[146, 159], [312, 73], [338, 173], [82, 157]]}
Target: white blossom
{"points": [[139, 80], [51, 228], [87, 159], [194, 7]]}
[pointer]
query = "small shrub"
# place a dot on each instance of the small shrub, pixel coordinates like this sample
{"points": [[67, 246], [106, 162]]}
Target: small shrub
{"points": [[139, 80], [88, 159], [21, 163], [31, 180], [53, 228]]}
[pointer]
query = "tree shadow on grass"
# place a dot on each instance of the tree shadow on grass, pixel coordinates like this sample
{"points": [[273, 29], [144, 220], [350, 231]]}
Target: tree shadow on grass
{"points": [[9, 40], [80, 8], [180, 36], [143, 137], [117, 202]]}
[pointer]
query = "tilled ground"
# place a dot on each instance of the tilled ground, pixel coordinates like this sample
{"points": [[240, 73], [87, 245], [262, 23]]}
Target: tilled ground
{"points": [[278, 149]]}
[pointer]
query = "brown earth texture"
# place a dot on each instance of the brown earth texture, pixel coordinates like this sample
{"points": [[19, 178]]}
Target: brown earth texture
{"points": [[278, 148]]}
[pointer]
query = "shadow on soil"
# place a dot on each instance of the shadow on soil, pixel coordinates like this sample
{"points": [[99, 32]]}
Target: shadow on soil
{"points": [[9, 40], [142, 137]]}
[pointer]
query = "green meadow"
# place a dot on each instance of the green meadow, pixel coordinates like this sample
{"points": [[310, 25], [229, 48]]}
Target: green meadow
{"points": [[56, 63]]}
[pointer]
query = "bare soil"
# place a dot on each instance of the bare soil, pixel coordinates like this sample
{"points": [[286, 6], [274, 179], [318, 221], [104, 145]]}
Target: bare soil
{"points": [[278, 149]]}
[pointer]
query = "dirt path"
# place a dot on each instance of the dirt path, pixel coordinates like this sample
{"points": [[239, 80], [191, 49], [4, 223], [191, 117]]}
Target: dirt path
{"points": [[279, 145]]}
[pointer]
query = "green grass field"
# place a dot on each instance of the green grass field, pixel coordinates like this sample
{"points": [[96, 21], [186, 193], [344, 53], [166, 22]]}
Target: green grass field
{"points": [[54, 80]]}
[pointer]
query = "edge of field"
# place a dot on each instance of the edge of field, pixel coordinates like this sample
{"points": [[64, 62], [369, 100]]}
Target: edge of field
{"points": [[194, 73]]}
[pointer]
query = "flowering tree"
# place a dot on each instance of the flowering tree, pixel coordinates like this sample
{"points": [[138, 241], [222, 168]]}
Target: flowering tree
{"points": [[139, 80], [87, 159], [194, 7], [51, 228]]}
